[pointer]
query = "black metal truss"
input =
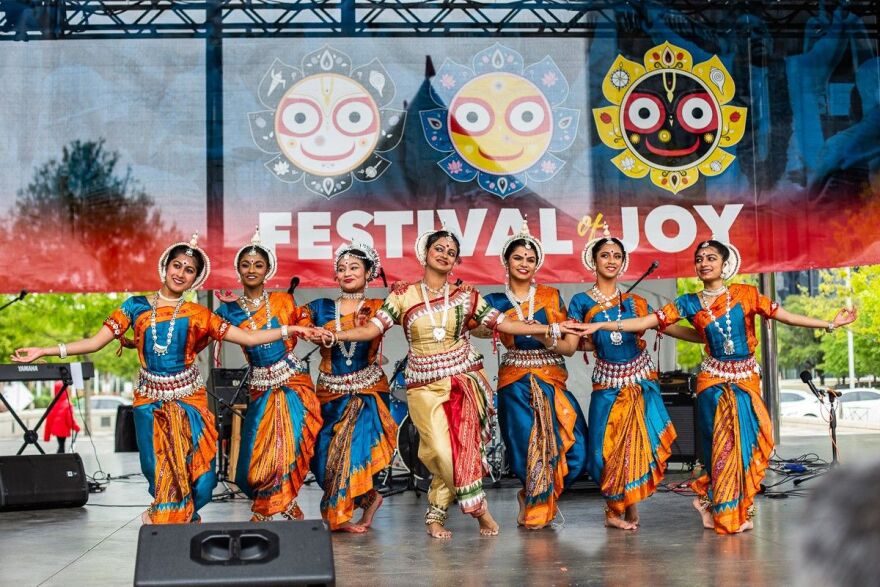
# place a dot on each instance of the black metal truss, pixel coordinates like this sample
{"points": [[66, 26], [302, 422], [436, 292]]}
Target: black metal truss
{"points": [[95, 19]]}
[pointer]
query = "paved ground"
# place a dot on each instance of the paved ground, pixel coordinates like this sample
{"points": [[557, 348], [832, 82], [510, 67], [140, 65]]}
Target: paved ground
{"points": [[96, 544]]}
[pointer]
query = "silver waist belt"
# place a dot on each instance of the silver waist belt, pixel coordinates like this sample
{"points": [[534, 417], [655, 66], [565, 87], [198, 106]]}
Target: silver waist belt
{"points": [[351, 382], [169, 387], [276, 373]]}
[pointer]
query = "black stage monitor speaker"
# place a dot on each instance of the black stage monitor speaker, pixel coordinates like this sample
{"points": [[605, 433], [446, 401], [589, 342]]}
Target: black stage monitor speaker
{"points": [[225, 383], [126, 439], [236, 553], [676, 387], [42, 481]]}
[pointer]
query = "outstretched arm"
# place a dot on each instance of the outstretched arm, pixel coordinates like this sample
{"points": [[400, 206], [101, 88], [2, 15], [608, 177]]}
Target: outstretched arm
{"points": [[843, 317], [250, 338], [542, 332], [364, 333], [685, 333], [80, 347], [629, 325]]}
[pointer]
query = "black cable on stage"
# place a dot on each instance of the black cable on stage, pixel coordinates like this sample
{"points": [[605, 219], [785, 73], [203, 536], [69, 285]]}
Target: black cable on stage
{"points": [[98, 480]]}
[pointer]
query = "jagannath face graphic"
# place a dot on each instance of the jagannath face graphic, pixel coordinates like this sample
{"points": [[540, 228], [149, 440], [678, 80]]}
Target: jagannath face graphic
{"points": [[670, 118], [500, 123], [329, 122]]}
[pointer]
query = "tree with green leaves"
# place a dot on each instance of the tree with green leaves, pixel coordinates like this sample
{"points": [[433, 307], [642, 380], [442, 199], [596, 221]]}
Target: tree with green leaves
{"points": [[47, 319]]}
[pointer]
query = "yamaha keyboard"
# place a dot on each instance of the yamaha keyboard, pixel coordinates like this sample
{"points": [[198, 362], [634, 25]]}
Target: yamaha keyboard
{"points": [[42, 372]]}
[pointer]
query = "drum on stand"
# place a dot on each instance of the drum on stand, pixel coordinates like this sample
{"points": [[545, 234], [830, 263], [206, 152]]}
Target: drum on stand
{"points": [[408, 448]]}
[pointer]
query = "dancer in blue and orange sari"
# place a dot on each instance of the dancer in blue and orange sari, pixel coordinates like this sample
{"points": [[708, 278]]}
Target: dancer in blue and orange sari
{"points": [[541, 422], [358, 437], [631, 433], [175, 430], [284, 416], [736, 433]]}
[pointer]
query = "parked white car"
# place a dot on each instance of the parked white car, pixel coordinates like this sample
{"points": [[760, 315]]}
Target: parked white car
{"points": [[796, 403], [859, 404]]}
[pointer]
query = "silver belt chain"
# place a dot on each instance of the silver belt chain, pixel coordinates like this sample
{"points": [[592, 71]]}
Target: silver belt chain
{"points": [[169, 387]]}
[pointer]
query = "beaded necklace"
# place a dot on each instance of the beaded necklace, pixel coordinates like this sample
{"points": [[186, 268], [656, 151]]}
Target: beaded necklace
{"points": [[729, 346], [606, 302], [348, 353], [438, 332], [265, 300], [158, 348]]}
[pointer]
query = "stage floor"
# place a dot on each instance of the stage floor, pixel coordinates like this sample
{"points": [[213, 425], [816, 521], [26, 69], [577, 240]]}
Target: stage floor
{"points": [[96, 544]]}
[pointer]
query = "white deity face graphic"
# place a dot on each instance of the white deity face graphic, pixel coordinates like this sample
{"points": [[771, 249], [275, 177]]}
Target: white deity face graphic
{"points": [[327, 124]]}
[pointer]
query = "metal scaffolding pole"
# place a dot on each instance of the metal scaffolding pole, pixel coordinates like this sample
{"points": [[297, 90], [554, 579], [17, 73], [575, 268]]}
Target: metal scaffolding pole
{"points": [[769, 364]]}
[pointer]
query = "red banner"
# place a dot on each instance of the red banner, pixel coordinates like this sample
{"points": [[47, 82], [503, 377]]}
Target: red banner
{"points": [[378, 140]]}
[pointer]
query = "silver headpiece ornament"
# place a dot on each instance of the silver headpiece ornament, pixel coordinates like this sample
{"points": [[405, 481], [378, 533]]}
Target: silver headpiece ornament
{"points": [[252, 248], [587, 254], [360, 251], [531, 243], [191, 248], [421, 245], [734, 259]]}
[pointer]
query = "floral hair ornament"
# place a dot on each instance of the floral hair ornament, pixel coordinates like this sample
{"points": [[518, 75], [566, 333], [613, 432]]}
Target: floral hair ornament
{"points": [[192, 247], [587, 255], [531, 243], [734, 259], [421, 245], [252, 248], [360, 251]]}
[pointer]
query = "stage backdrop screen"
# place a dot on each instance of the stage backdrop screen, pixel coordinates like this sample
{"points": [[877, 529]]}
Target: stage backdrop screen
{"points": [[670, 141]]}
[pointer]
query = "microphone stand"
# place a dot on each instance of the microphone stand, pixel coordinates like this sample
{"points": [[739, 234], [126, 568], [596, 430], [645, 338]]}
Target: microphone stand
{"points": [[15, 299], [647, 272], [832, 424]]}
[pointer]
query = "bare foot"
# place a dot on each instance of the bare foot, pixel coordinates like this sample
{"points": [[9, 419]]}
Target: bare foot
{"points": [[631, 515], [350, 528], [293, 512], [436, 530], [146, 520], [705, 514], [747, 525], [619, 523], [370, 510], [488, 525]]}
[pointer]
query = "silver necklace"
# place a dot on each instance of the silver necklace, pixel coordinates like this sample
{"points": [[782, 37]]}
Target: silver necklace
{"points": [[166, 298], [348, 353], [255, 302], [517, 303], [265, 300], [436, 292], [355, 295], [715, 292], [729, 347], [438, 332], [606, 302], [158, 348]]}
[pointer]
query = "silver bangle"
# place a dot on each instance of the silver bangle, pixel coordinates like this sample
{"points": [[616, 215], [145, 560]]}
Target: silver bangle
{"points": [[284, 334], [62, 350]]}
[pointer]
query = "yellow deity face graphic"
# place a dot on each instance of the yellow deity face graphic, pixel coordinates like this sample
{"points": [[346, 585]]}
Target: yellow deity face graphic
{"points": [[670, 117], [328, 123], [500, 123]]}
